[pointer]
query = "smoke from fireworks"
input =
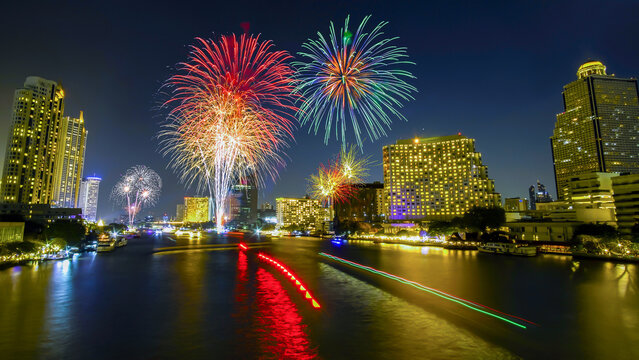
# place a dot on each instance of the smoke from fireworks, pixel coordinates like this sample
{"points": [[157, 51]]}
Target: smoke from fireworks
{"points": [[352, 77], [337, 181], [230, 115], [139, 187]]}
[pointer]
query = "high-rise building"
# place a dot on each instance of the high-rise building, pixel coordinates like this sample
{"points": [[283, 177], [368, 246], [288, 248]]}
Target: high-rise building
{"points": [[69, 162], [88, 197], [196, 209], [243, 204], [538, 195], [363, 205], [435, 178], [30, 159], [305, 213], [599, 128]]}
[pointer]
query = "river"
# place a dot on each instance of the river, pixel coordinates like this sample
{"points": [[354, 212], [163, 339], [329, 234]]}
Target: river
{"points": [[138, 303]]}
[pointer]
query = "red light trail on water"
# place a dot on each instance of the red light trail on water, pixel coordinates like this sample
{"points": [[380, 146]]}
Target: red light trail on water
{"points": [[467, 303], [295, 280]]}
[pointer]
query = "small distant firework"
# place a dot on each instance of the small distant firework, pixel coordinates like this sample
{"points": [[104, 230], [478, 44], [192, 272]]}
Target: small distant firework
{"points": [[352, 78], [337, 181], [139, 187], [230, 115], [329, 185]]}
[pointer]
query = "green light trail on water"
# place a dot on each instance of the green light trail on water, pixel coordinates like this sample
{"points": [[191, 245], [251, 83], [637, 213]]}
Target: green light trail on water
{"points": [[419, 286]]}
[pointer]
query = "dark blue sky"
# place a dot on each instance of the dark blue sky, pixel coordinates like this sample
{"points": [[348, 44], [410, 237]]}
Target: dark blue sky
{"points": [[493, 72]]}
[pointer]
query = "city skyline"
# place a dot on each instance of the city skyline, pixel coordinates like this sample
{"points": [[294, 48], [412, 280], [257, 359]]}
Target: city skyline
{"points": [[502, 57]]}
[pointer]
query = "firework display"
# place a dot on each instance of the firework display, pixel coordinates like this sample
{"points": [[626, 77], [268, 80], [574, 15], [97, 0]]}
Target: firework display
{"points": [[354, 167], [230, 115], [336, 182], [139, 187], [352, 78]]}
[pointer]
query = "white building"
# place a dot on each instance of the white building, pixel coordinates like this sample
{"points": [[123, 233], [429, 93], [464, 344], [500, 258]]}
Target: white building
{"points": [[88, 199]]}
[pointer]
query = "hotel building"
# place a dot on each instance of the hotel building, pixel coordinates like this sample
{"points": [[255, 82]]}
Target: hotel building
{"points": [[304, 212], [435, 178]]}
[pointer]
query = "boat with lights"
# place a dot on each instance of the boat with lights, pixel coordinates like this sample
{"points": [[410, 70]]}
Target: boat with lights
{"points": [[508, 249]]}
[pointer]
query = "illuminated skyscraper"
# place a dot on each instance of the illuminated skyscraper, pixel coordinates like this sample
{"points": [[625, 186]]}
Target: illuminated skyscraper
{"points": [[69, 162], [435, 178], [599, 128], [30, 159], [88, 197], [196, 209]]}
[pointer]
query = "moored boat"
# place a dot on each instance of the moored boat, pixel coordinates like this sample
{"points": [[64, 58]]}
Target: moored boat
{"points": [[507, 249]]}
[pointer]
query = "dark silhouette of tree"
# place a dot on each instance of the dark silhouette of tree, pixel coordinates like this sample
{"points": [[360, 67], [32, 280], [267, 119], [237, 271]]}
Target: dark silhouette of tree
{"points": [[602, 231], [71, 231]]}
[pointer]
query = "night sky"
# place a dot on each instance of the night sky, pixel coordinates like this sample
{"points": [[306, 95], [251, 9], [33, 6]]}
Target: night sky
{"points": [[492, 72]]}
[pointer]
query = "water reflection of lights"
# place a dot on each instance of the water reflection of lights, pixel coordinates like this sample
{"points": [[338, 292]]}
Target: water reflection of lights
{"points": [[284, 334], [467, 303], [295, 280]]}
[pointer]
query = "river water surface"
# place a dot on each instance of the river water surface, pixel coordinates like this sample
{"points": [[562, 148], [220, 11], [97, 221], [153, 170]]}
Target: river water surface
{"points": [[137, 303]]}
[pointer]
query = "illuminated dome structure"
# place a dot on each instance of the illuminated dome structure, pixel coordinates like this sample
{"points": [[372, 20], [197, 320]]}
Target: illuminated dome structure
{"points": [[591, 68]]}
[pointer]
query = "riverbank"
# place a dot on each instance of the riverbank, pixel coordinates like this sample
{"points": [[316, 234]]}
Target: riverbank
{"points": [[553, 249], [605, 257]]}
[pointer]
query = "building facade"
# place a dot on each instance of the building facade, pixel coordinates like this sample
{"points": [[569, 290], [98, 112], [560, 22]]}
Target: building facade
{"points": [[69, 162], [196, 209], [305, 213], [88, 197], [364, 205], [556, 231], [30, 157], [41, 213], [179, 212], [515, 204], [435, 178], [11, 232], [599, 128], [626, 196], [243, 204]]}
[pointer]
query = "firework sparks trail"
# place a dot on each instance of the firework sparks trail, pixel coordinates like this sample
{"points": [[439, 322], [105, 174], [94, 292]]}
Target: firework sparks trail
{"points": [[337, 182], [139, 187], [352, 77], [230, 115]]}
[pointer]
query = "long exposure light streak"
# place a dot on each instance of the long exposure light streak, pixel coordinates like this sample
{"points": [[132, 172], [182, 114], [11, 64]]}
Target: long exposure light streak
{"points": [[352, 78], [294, 279], [231, 115], [467, 303]]}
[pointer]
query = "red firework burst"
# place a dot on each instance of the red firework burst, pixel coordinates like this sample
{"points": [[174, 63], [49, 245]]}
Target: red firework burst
{"points": [[231, 113]]}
